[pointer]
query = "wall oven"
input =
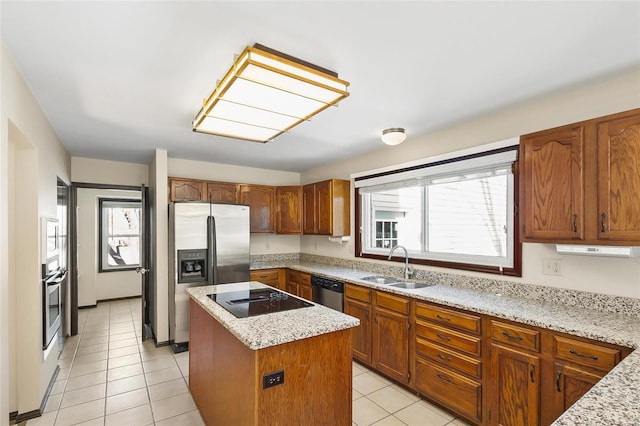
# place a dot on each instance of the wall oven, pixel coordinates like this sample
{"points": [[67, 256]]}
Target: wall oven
{"points": [[51, 303]]}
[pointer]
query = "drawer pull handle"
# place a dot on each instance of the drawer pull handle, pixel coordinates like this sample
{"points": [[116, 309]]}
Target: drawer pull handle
{"points": [[447, 338], [440, 317], [445, 378], [532, 368], [593, 357], [511, 336], [444, 358], [558, 375]]}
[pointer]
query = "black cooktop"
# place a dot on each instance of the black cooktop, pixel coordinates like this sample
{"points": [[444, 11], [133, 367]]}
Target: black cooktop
{"points": [[249, 303]]}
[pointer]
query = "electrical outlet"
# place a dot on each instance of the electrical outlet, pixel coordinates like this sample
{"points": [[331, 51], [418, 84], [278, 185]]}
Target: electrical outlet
{"points": [[272, 379], [552, 267]]}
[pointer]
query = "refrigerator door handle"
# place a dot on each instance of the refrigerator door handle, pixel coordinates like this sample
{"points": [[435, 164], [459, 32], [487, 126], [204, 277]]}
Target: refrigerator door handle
{"points": [[212, 275]]}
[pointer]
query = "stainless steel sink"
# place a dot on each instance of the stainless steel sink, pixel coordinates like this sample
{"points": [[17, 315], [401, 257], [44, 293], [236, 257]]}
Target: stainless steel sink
{"points": [[380, 280], [411, 286]]}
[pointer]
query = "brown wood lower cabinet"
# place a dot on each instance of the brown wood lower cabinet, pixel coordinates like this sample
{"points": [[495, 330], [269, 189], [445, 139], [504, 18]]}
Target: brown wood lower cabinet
{"points": [[299, 283], [450, 389], [515, 387], [273, 277], [486, 370], [391, 343], [226, 377]]}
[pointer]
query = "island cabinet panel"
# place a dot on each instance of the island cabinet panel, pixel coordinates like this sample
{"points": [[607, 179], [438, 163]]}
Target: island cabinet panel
{"points": [[226, 377], [261, 202], [186, 190], [289, 210], [580, 182], [222, 192], [217, 356]]}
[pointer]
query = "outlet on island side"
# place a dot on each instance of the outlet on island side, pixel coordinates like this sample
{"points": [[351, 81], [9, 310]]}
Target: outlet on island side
{"points": [[552, 267], [272, 379]]}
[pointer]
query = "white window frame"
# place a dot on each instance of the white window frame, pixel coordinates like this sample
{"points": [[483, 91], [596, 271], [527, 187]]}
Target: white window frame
{"points": [[420, 177], [103, 236]]}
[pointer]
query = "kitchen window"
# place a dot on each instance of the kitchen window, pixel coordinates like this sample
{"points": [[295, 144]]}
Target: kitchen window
{"points": [[119, 234], [456, 213]]}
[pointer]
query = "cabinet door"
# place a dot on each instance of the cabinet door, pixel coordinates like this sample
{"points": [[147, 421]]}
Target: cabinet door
{"points": [[309, 209], [305, 291], [552, 185], [361, 335], [324, 208], [293, 288], [261, 200], [221, 192], [186, 190], [619, 180], [289, 210], [515, 392], [391, 344], [570, 383]]}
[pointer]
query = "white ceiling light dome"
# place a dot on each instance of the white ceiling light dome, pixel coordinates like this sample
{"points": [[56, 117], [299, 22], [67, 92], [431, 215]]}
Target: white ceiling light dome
{"points": [[393, 136]]}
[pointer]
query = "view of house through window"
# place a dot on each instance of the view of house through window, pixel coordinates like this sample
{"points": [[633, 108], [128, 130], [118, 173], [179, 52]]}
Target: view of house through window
{"points": [[463, 215], [119, 234]]}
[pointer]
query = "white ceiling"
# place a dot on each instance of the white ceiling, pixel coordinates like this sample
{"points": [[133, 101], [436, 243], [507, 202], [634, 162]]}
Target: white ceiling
{"points": [[119, 79]]}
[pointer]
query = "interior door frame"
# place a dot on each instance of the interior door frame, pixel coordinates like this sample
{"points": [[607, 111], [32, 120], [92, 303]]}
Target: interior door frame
{"points": [[73, 248]]}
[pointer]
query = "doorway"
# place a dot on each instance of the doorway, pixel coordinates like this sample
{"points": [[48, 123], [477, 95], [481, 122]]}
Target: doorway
{"points": [[111, 240]]}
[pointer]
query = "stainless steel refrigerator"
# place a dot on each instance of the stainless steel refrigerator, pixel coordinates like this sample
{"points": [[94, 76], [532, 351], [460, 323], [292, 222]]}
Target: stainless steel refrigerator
{"points": [[208, 245]]}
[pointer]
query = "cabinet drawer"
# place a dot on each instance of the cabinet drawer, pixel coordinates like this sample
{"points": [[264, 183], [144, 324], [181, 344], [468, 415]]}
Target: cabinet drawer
{"points": [[305, 279], [460, 394], [449, 318], [392, 302], [449, 358], [449, 338], [265, 275], [516, 336], [293, 276], [357, 292], [584, 353]]}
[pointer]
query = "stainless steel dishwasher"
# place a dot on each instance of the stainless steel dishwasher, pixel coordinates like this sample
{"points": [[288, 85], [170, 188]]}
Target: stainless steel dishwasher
{"points": [[328, 292]]}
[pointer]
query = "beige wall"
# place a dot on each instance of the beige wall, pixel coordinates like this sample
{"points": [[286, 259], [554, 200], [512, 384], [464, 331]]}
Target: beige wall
{"points": [[38, 158], [92, 285], [616, 93], [160, 263], [91, 170]]}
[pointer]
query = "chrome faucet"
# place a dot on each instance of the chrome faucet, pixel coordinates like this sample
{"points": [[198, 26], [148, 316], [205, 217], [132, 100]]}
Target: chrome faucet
{"points": [[406, 259]]}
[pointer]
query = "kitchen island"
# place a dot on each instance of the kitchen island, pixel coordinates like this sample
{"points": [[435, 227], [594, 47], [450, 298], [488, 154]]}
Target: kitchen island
{"points": [[291, 367]]}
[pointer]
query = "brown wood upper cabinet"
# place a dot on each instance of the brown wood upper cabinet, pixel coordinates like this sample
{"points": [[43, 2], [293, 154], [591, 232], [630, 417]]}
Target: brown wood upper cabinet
{"points": [[222, 192], [289, 210], [186, 190], [326, 207], [261, 200], [579, 183]]}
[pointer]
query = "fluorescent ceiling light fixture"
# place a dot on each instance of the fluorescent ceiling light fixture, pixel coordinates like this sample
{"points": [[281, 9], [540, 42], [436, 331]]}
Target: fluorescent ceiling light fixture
{"points": [[266, 93], [393, 136]]}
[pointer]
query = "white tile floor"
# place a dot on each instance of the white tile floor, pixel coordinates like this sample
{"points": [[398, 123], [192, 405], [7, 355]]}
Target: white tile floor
{"points": [[108, 377]]}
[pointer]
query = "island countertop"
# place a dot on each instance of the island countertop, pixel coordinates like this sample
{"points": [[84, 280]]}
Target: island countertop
{"points": [[263, 331]]}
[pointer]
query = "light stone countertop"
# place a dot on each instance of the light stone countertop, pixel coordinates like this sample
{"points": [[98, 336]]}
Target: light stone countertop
{"points": [[613, 400], [272, 329]]}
